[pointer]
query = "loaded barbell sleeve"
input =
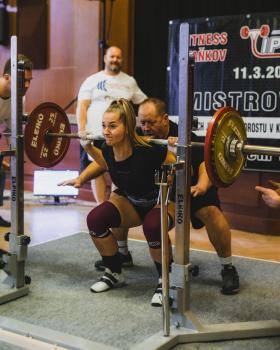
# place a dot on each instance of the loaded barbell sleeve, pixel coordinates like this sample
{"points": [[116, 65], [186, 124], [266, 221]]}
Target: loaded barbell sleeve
{"points": [[257, 149]]}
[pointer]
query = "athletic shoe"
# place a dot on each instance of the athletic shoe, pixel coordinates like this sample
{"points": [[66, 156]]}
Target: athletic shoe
{"points": [[108, 281], [230, 280], [126, 261], [4, 223], [157, 297]]}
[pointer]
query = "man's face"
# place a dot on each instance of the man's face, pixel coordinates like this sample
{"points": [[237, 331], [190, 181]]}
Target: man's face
{"points": [[27, 79], [151, 123], [6, 85], [113, 60]]}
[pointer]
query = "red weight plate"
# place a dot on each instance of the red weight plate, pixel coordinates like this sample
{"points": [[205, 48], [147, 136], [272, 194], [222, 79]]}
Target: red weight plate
{"points": [[208, 147], [42, 150]]}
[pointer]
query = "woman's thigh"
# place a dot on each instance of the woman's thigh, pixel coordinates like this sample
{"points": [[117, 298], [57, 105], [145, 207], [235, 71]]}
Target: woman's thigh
{"points": [[129, 215]]}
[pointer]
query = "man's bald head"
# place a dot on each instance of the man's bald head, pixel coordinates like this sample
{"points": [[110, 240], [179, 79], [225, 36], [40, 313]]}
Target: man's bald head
{"points": [[153, 118]]}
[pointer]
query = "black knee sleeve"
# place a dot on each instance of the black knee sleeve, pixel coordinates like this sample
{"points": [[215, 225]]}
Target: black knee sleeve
{"points": [[102, 218]]}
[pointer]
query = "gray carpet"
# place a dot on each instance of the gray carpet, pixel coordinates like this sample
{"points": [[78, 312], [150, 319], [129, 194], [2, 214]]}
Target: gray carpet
{"points": [[62, 272], [4, 346]]}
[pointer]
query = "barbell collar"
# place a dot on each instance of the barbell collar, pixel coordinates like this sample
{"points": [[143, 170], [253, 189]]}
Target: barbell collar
{"points": [[231, 150]]}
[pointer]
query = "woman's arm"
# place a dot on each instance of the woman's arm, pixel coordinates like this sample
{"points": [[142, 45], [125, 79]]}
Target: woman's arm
{"points": [[95, 153], [92, 171]]}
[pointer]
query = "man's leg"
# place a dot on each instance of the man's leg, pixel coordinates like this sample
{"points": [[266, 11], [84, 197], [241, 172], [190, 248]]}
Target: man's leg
{"points": [[219, 234], [218, 229]]}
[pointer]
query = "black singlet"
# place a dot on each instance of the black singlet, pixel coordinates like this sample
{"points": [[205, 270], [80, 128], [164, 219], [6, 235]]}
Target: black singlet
{"points": [[135, 176]]}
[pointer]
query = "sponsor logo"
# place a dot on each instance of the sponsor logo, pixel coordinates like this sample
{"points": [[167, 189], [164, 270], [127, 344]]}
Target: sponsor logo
{"points": [[102, 85], [180, 208], [263, 45], [203, 41]]}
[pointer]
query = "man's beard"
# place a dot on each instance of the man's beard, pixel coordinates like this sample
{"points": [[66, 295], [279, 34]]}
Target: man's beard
{"points": [[115, 68]]}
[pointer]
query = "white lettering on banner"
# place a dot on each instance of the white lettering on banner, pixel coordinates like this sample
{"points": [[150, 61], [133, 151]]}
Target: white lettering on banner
{"points": [[256, 72], [259, 158], [256, 127], [248, 101]]}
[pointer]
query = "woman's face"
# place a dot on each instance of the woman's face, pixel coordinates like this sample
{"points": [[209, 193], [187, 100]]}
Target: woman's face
{"points": [[113, 128]]}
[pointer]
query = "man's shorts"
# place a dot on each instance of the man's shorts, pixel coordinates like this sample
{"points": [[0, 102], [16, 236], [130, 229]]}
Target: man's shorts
{"points": [[210, 198]]}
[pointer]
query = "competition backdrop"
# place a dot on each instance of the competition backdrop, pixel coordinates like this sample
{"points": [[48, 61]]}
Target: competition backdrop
{"points": [[237, 63]]}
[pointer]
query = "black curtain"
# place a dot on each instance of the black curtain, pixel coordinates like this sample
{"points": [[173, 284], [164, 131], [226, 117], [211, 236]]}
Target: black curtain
{"points": [[151, 32]]}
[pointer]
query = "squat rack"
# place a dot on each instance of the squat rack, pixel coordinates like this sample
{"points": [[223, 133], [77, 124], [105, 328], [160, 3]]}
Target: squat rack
{"points": [[14, 281], [186, 327]]}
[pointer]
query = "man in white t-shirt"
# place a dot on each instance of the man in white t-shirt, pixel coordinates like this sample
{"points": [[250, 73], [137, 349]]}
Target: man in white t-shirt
{"points": [[95, 95], [5, 114]]}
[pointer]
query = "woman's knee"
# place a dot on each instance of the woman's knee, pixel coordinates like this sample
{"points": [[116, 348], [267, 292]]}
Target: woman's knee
{"points": [[102, 218], [152, 228]]}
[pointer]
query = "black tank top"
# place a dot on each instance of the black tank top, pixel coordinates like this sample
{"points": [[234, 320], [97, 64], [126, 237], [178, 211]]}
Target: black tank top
{"points": [[135, 176]]}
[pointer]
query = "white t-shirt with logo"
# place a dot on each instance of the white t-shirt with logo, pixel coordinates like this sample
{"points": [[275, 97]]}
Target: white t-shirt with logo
{"points": [[5, 112], [102, 89]]}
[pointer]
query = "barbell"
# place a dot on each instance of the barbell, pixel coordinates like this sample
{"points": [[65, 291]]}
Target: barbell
{"points": [[48, 133]]}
